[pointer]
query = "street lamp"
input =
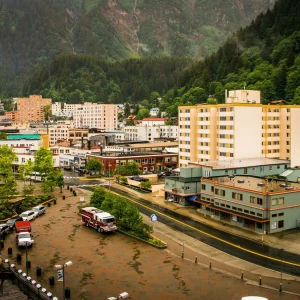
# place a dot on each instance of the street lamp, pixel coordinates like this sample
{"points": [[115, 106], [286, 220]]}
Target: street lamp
{"points": [[109, 165], [280, 287], [62, 267]]}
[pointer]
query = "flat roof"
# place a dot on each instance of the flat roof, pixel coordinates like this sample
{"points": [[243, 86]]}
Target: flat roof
{"points": [[241, 163], [257, 184], [155, 145], [121, 155]]}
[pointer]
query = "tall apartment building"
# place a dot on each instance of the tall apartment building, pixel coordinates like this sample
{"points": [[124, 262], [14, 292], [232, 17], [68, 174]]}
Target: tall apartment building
{"points": [[242, 127], [93, 115], [31, 109]]}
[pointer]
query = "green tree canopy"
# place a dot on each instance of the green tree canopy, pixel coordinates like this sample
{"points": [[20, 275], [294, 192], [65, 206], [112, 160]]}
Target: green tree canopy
{"points": [[129, 169], [3, 136], [94, 165], [143, 113], [43, 161]]}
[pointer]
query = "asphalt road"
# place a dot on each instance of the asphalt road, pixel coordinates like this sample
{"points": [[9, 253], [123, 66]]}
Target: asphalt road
{"points": [[237, 246]]}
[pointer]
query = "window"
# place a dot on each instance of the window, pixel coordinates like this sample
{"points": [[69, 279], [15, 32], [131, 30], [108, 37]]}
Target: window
{"points": [[274, 215], [227, 206], [280, 201], [234, 208], [280, 224], [237, 196], [259, 214], [259, 201], [222, 193], [223, 205], [281, 214], [274, 201], [203, 186], [252, 199], [252, 213], [246, 211], [212, 189]]}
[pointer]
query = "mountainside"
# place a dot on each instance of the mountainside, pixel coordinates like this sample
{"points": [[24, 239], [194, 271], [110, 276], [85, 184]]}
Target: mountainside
{"points": [[263, 56], [34, 31]]}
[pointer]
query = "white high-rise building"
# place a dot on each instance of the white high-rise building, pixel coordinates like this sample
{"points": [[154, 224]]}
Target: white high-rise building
{"points": [[242, 127], [93, 115]]}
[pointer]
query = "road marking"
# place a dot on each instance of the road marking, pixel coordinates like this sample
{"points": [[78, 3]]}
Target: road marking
{"points": [[213, 236]]}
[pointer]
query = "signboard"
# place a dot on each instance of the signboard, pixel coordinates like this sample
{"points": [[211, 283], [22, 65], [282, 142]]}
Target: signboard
{"points": [[153, 218], [60, 275]]}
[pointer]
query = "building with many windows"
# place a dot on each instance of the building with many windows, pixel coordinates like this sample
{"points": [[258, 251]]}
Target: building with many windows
{"points": [[150, 129], [32, 109], [242, 127], [257, 194], [94, 115]]}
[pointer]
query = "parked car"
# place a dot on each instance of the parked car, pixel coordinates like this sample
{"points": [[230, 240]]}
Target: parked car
{"points": [[4, 229], [39, 210], [27, 215], [11, 222], [24, 239]]}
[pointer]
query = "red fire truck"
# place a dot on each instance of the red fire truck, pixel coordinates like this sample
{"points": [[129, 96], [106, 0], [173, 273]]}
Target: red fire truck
{"points": [[100, 220]]}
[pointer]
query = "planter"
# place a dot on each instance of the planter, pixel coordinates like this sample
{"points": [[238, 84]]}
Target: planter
{"points": [[9, 250], [51, 280], [64, 197], [19, 256], [74, 193], [67, 293], [28, 264], [38, 271]]}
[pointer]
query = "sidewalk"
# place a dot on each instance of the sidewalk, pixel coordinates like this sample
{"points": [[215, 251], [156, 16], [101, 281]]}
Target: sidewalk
{"points": [[289, 240]]}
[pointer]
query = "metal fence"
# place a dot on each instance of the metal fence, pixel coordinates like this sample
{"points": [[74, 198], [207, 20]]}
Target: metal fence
{"points": [[26, 284]]}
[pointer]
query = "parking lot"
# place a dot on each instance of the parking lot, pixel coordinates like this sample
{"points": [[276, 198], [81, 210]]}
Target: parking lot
{"points": [[106, 265]]}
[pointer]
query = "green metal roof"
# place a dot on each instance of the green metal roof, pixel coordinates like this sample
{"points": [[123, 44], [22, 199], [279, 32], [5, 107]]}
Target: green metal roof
{"points": [[27, 136]]}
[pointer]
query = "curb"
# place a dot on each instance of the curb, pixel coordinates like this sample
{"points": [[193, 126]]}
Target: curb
{"points": [[146, 242]]}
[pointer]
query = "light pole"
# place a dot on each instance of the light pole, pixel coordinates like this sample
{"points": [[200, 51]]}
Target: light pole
{"points": [[280, 287], [26, 259], [109, 165], [62, 267]]}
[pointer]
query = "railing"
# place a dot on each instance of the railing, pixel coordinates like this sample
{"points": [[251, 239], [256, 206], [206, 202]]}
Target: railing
{"points": [[25, 283]]}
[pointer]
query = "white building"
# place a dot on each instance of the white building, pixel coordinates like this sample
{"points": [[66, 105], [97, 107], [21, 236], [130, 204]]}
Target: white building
{"points": [[25, 149], [154, 111], [61, 109], [57, 131], [93, 115], [240, 128]]}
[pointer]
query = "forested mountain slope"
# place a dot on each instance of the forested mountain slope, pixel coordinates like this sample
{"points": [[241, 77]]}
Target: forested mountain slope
{"points": [[34, 31], [263, 56]]}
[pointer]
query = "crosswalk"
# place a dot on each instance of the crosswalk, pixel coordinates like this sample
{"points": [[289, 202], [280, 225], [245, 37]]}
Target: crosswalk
{"points": [[91, 185]]}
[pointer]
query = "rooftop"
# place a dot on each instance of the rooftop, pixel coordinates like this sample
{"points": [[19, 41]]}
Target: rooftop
{"points": [[241, 163], [130, 154], [155, 145], [257, 184]]}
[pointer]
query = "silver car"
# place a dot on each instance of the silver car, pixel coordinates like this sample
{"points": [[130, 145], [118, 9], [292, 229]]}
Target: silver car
{"points": [[39, 210]]}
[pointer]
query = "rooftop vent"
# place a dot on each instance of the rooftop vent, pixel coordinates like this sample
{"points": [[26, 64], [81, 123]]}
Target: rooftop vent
{"points": [[241, 181], [260, 184], [289, 188]]}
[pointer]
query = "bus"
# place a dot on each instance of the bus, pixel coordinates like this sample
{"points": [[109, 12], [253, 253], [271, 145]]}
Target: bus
{"points": [[37, 177]]}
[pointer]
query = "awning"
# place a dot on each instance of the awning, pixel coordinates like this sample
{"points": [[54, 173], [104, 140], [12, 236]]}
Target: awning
{"points": [[192, 198], [238, 214]]}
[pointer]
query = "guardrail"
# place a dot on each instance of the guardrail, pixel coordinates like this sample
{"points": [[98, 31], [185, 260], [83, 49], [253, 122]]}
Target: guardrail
{"points": [[30, 287]]}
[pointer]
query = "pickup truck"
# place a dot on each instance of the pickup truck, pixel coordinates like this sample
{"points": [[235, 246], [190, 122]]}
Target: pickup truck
{"points": [[24, 239]]}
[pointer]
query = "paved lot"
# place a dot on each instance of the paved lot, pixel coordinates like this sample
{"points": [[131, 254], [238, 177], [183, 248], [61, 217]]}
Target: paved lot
{"points": [[105, 265]]}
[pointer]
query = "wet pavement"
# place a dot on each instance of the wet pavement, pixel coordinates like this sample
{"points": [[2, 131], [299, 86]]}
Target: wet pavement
{"points": [[106, 265]]}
